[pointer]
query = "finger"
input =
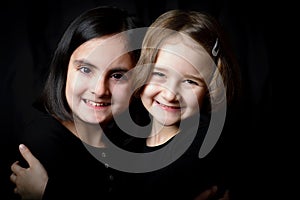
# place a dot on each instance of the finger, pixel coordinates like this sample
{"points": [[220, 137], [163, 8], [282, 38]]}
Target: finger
{"points": [[16, 190], [27, 155], [225, 196], [13, 178], [214, 190], [12, 165], [207, 193], [203, 195], [16, 168]]}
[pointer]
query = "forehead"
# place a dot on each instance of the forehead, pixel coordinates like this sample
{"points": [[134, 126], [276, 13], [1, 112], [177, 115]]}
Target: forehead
{"points": [[184, 51], [104, 50]]}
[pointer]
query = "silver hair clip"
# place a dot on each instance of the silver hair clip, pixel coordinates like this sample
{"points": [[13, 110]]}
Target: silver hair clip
{"points": [[215, 49]]}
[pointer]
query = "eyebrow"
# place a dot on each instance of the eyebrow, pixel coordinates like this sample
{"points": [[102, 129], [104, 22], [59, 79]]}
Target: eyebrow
{"points": [[84, 62], [157, 67], [199, 78], [191, 76], [113, 70]]}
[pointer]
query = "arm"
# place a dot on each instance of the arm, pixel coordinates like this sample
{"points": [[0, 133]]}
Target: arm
{"points": [[211, 193], [30, 182]]}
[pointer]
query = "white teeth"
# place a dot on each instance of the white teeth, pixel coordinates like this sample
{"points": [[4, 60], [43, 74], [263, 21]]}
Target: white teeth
{"points": [[96, 104]]}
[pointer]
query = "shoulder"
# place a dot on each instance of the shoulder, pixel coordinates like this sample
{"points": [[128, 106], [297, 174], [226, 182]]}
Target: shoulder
{"points": [[42, 131], [47, 138], [41, 121]]}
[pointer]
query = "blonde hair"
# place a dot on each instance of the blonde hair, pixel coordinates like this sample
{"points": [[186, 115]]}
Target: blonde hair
{"points": [[205, 31]]}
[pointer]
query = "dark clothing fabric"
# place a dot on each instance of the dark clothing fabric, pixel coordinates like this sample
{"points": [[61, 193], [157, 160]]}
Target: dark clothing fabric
{"points": [[186, 177], [74, 173]]}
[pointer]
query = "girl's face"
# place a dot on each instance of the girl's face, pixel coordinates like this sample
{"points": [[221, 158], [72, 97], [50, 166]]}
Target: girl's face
{"points": [[97, 84], [176, 89]]}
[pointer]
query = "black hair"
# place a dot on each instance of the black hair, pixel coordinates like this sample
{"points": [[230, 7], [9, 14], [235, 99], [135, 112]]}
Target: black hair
{"points": [[93, 23]]}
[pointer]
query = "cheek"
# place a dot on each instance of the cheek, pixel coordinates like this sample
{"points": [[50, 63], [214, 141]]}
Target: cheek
{"points": [[201, 98], [120, 98], [150, 91], [147, 93], [121, 93], [195, 98], [69, 91], [74, 87]]}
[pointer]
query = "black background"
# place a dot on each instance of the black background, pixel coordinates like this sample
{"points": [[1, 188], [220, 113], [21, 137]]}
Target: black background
{"points": [[30, 31]]}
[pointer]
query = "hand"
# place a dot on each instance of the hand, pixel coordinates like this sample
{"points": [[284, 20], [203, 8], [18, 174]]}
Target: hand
{"points": [[30, 182], [209, 193]]}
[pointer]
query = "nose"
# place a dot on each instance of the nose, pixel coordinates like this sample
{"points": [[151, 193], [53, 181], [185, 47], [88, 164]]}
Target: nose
{"points": [[169, 95], [100, 87], [170, 92]]}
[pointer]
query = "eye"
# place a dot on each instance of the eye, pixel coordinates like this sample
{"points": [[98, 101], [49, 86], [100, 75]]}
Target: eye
{"points": [[119, 76], [158, 74], [191, 82], [157, 77], [85, 70]]}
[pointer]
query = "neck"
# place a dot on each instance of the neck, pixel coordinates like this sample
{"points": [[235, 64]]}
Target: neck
{"points": [[161, 134]]}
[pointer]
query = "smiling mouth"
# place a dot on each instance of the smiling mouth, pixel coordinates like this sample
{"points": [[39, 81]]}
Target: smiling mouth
{"points": [[96, 104], [168, 107]]}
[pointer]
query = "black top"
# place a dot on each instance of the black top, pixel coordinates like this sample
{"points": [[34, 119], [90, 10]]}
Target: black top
{"points": [[74, 173], [187, 176]]}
